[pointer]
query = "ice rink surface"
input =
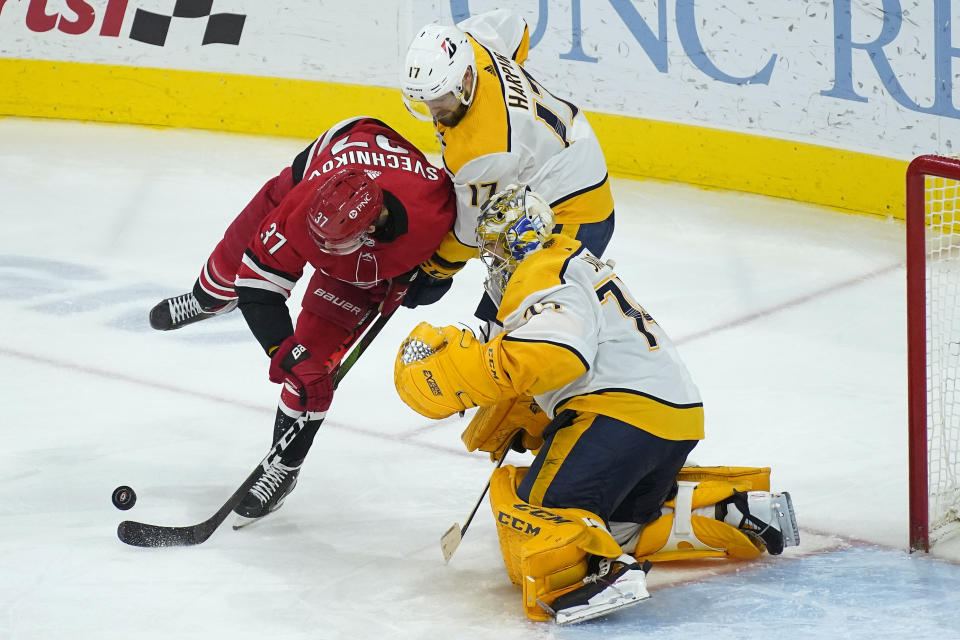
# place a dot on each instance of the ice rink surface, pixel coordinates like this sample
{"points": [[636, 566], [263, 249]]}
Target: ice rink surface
{"points": [[791, 319]]}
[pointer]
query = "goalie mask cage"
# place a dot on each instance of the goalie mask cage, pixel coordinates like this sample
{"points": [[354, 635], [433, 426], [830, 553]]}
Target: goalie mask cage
{"points": [[933, 348]]}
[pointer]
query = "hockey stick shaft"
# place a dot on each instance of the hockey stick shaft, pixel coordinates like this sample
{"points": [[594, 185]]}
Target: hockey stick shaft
{"points": [[141, 534], [463, 530], [450, 540]]}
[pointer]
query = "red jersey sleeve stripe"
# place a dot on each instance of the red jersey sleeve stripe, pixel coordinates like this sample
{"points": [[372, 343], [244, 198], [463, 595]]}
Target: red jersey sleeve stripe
{"points": [[254, 276]]}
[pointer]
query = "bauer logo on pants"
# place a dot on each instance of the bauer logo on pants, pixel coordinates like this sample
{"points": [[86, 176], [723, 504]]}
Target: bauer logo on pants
{"points": [[221, 28]]}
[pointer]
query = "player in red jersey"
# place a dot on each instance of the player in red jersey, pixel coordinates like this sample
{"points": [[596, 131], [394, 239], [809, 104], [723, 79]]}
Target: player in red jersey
{"points": [[364, 208]]}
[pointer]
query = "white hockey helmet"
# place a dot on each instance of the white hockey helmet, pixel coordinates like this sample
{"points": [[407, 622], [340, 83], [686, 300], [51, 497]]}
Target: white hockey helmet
{"points": [[434, 69], [514, 223]]}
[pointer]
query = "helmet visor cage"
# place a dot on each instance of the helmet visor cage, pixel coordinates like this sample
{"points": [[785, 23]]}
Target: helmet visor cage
{"points": [[493, 254], [507, 234], [418, 108], [427, 110], [342, 247]]}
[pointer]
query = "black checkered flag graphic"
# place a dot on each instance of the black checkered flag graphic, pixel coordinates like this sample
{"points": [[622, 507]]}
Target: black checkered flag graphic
{"points": [[222, 28]]}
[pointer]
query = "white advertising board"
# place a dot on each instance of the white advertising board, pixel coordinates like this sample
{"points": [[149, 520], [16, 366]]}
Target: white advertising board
{"points": [[875, 76], [351, 41]]}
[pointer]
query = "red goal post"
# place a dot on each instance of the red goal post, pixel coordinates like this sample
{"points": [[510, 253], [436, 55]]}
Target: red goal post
{"points": [[933, 348]]}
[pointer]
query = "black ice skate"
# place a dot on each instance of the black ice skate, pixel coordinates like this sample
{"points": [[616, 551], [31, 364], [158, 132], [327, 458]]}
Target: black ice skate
{"points": [[611, 584], [179, 311], [267, 493]]}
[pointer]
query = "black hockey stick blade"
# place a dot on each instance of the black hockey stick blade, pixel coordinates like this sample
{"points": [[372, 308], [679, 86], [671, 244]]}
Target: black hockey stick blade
{"points": [[142, 534]]}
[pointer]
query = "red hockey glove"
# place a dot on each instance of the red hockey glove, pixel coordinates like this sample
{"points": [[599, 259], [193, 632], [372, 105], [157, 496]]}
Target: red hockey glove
{"points": [[395, 293], [307, 384]]}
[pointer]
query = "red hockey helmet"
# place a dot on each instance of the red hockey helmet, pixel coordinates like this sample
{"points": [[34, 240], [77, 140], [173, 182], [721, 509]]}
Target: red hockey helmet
{"points": [[341, 210]]}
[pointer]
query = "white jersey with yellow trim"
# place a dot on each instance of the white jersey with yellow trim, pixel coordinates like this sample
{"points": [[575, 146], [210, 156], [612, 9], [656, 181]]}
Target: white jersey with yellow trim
{"points": [[516, 131], [501, 30], [633, 370]]}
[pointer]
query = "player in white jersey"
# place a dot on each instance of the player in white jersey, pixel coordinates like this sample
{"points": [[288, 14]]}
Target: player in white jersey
{"points": [[498, 125], [615, 415]]}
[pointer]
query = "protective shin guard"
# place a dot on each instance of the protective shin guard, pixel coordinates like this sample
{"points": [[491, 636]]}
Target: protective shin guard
{"points": [[297, 450], [544, 550], [757, 478], [692, 527]]}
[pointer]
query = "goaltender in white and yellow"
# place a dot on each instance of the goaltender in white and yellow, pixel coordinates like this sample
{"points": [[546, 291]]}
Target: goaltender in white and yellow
{"points": [[614, 415]]}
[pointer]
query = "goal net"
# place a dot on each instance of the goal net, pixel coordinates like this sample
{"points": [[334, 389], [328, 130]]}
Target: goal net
{"points": [[933, 351]]}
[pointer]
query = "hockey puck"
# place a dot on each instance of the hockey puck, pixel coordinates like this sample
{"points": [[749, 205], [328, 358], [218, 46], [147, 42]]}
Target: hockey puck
{"points": [[124, 498]]}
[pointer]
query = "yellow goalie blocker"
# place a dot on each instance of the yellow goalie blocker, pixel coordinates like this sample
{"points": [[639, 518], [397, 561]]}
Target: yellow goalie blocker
{"points": [[545, 550]]}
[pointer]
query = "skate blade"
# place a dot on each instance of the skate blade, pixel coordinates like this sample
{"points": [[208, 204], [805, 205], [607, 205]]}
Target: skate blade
{"points": [[787, 520], [449, 541], [589, 612], [241, 522]]}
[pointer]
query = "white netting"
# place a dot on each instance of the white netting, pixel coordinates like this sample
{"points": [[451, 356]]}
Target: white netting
{"points": [[942, 218], [415, 350]]}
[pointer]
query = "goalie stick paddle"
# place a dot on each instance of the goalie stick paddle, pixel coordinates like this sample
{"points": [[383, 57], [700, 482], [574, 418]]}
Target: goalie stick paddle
{"points": [[450, 540], [142, 534]]}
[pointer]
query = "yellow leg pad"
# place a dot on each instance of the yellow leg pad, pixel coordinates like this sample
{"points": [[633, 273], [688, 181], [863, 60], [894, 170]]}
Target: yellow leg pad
{"points": [[722, 535], [512, 532], [757, 477], [711, 492], [544, 550], [711, 538]]}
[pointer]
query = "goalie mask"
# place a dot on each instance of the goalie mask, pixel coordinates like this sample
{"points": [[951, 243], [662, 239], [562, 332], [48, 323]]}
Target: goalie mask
{"points": [[432, 81], [513, 224], [342, 210]]}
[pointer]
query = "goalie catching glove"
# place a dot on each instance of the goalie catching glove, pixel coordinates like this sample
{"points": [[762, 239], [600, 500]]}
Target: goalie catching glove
{"points": [[460, 373]]}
